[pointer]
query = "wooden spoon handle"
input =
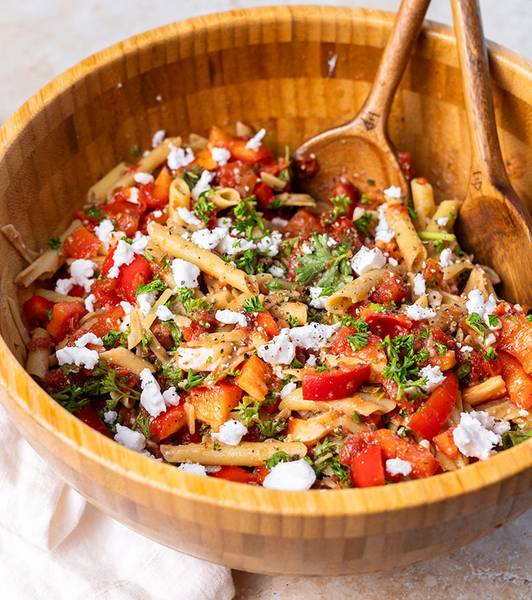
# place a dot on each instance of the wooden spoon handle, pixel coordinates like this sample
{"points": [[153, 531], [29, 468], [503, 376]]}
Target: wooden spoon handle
{"points": [[405, 30], [473, 56]]}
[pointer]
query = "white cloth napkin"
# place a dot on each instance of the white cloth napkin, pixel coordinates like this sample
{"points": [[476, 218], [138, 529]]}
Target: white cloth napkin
{"points": [[54, 545]]}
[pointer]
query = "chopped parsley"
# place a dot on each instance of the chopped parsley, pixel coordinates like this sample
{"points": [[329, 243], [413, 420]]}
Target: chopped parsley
{"points": [[135, 150], [363, 222], [173, 375], [54, 243], [494, 320], [192, 380], [247, 219], [513, 438], [474, 320], [276, 458], [154, 286], [441, 348], [253, 304], [358, 341], [271, 427], [341, 204], [491, 354], [412, 213], [403, 362], [93, 212], [331, 265], [248, 410], [112, 338], [189, 302], [204, 207], [142, 423]]}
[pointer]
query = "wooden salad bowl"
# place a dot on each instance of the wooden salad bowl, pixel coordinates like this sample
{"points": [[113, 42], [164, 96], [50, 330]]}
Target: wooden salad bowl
{"points": [[269, 67]]}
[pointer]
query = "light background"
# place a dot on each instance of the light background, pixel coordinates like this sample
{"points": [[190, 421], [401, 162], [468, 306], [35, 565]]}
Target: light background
{"points": [[41, 38]]}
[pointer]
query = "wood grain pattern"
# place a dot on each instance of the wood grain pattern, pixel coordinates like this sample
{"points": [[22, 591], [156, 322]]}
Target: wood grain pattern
{"points": [[268, 67], [492, 211]]}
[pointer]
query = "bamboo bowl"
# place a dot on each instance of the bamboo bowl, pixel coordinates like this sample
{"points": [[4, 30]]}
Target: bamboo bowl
{"points": [[268, 67]]}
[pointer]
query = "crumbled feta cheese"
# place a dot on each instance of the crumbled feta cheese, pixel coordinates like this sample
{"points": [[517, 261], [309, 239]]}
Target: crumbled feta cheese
{"points": [[393, 191], [110, 416], [269, 244], [179, 157], [331, 63], [89, 303], [133, 195], [475, 302], [255, 142], [146, 301], [311, 361], [358, 212], [288, 389], [419, 285], [466, 349], [365, 260], [306, 248], [202, 185], [231, 245], [397, 466], [81, 357], [424, 444], [331, 242], [224, 222], [523, 412], [418, 313], [140, 243], [220, 156], [383, 232], [188, 216], [230, 433], [134, 440], [231, 317], [276, 271], [197, 359], [194, 468], [143, 178], [475, 435], [446, 257], [434, 377], [490, 340], [103, 230], [435, 298], [157, 213], [88, 338], [317, 300], [123, 255], [151, 398], [279, 351], [278, 222], [63, 286], [171, 397], [81, 271], [126, 307], [295, 476], [163, 313], [392, 262], [158, 138], [185, 274], [442, 221], [207, 238]]}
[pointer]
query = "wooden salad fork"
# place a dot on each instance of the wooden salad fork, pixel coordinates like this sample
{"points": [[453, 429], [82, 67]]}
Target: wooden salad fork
{"points": [[361, 149], [493, 222]]}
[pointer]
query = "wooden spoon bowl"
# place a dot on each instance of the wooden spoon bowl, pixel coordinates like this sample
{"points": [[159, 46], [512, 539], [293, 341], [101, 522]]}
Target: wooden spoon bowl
{"points": [[268, 67]]}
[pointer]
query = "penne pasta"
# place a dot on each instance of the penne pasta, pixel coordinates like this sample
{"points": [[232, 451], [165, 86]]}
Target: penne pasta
{"points": [[39, 353], [122, 357], [492, 388], [179, 197], [410, 246], [445, 216], [354, 292], [101, 190], [423, 201]]}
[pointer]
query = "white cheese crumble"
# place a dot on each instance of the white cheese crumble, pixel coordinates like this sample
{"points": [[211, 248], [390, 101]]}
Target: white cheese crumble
{"points": [[146, 301], [392, 262], [123, 255], [269, 244], [279, 351], [188, 216], [418, 313], [434, 377], [477, 433], [88, 338], [151, 398], [446, 257], [179, 157], [197, 359], [220, 156], [294, 476], [466, 349], [171, 397], [366, 260], [202, 185], [163, 313], [397, 466], [89, 303], [143, 178], [276, 271], [126, 307], [288, 389], [393, 191], [475, 304], [134, 440], [110, 416], [230, 317], [140, 243], [81, 271], [133, 195], [419, 285], [255, 142], [78, 354], [384, 232], [442, 221], [231, 245], [194, 468], [185, 274], [103, 230], [306, 248], [224, 222], [317, 300], [207, 238], [158, 138], [278, 222], [230, 433]]}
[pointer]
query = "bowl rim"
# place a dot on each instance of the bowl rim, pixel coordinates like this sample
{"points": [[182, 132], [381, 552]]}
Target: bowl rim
{"points": [[40, 407]]}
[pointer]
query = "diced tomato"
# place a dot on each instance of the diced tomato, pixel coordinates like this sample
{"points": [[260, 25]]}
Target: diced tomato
{"points": [[363, 454], [383, 324], [518, 383], [393, 446], [261, 474], [267, 324], [237, 474], [516, 339], [205, 160], [346, 188], [81, 243], [131, 276], [405, 162], [107, 321], [156, 196], [163, 335], [333, 384], [168, 422], [192, 332], [219, 137], [306, 166], [125, 214], [391, 289], [481, 367], [238, 150], [264, 195], [90, 417], [433, 273], [106, 291], [445, 443], [254, 377], [303, 224], [65, 318], [433, 414], [37, 309], [214, 403], [238, 175]]}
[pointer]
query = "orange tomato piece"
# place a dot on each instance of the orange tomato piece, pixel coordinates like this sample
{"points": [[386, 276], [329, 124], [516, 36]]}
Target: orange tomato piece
{"points": [[81, 243], [254, 377], [213, 404], [518, 383], [516, 339]]}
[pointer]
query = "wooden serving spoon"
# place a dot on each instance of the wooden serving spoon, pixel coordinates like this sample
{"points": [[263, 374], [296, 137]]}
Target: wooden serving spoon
{"points": [[361, 149], [493, 222]]}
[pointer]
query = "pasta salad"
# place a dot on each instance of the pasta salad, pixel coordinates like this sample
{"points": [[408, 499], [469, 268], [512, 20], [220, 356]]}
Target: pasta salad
{"points": [[202, 311]]}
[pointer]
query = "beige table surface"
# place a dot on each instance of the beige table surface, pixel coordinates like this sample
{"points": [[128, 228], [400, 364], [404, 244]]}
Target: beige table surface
{"points": [[41, 38]]}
